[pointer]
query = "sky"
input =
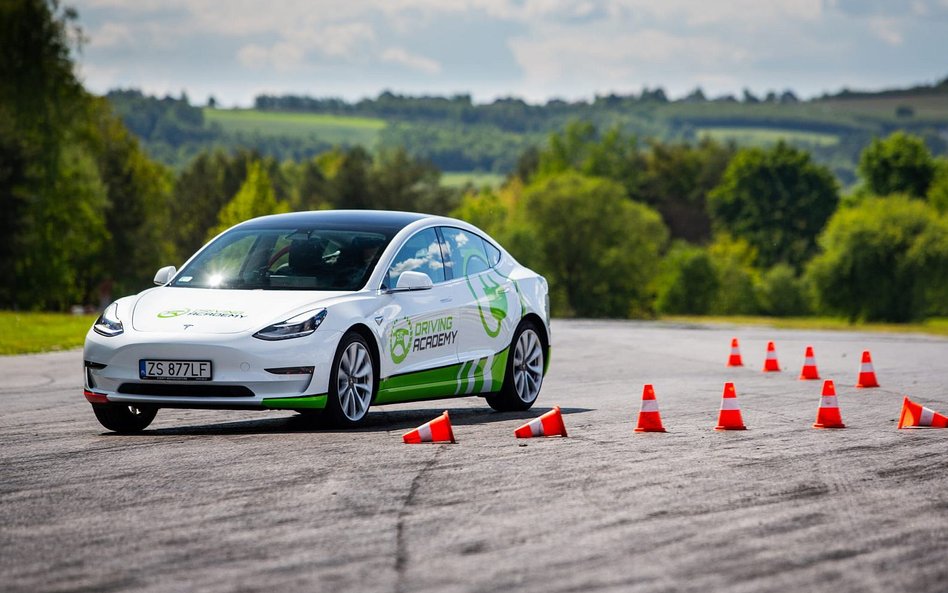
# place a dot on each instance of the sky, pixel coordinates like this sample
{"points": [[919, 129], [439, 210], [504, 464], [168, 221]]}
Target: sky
{"points": [[537, 50]]}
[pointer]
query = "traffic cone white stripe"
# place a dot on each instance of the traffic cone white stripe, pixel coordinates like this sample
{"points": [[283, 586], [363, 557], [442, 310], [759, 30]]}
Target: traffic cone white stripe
{"points": [[866, 368], [536, 427], [649, 405], [926, 417], [809, 361], [735, 350], [729, 403], [424, 431], [829, 401]]}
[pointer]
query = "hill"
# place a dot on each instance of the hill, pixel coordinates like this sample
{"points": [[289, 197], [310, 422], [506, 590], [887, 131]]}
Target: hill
{"points": [[458, 135]]}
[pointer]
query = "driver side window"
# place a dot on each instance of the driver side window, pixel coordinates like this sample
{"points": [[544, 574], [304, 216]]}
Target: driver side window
{"points": [[421, 253]]}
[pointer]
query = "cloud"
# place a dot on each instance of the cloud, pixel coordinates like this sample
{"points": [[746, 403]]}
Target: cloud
{"points": [[886, 29], [402, 57]]}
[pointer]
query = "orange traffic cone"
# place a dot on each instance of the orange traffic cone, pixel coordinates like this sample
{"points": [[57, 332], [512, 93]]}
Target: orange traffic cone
{"points": [[649, 418], [547, 425], [436, 431], [867, 374], [771, 364], [918, 416], [828, 415], [729, 418], [809, 366], [735, 359]]}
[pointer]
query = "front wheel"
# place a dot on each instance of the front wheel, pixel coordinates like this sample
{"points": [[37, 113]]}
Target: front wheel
{"points": [[353, 382], [524, 374], [123, 418]]}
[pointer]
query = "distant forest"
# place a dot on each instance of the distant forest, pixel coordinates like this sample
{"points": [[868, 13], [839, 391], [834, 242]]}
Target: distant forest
{"points": [[456, 134]]}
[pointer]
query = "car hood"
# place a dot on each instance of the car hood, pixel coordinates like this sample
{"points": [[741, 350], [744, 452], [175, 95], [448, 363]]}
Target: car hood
{"points": [[219, 311]]}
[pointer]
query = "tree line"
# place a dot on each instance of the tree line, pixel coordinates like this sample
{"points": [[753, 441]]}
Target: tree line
{"points": [[621, 227]]}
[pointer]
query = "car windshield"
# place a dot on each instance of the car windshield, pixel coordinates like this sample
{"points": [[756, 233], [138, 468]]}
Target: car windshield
{"points": [[286, 259]]}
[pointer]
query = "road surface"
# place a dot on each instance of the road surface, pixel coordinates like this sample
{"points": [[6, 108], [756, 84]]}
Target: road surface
{"points": [[263, 501]]}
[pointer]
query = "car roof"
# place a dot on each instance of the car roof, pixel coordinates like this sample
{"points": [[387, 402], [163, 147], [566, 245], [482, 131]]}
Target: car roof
{"points": [[345, 219]]}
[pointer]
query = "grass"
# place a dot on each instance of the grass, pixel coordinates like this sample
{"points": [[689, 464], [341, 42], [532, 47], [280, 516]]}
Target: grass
{"points": [[28, 332], [478, 180], [767, 136], [935, 326], [333, 129]]}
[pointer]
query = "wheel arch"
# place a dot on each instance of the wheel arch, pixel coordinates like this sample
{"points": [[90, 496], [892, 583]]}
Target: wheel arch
{"points": [[372, 340]]}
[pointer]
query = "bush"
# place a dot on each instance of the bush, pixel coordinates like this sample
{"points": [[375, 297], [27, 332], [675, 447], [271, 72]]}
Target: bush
{"points": [[883, 260], [782, 294], [687, 282]]}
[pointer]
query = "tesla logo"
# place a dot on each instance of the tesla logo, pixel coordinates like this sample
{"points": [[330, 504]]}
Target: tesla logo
{"points": [[187, 325]]}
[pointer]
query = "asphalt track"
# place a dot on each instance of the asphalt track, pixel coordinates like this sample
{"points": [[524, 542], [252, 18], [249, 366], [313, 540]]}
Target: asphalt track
{"points": [[258, 501]]}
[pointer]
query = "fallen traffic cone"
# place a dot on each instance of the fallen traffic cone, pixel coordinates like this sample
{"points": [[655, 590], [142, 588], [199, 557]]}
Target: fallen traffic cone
{"points": [[735, 359], [729, 418], [436, 431], [649, 418], [867, 374], [771, 364], [828, 415], [809, 366], [918, 416], [547, 425]]}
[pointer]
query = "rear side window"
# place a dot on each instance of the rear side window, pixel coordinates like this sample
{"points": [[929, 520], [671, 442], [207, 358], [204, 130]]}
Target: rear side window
{"points": [[466, 254], [421, 253], [493, 254]]}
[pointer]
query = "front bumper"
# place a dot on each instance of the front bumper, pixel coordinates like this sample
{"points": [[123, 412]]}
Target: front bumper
{"points": [[240, 379]]}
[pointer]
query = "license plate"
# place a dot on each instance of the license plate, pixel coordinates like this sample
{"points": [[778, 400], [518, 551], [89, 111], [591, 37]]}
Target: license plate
{"points": [[177, 370]]}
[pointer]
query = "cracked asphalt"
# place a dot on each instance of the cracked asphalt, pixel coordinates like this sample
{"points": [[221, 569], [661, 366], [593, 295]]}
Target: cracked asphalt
{"points": [[263, 501]]}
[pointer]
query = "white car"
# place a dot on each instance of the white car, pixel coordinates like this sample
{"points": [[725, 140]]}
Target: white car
{"points": [[327, 312]]}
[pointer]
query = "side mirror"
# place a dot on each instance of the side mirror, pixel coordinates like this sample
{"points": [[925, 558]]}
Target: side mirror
{"points": [[413, 281], [164, 275]]}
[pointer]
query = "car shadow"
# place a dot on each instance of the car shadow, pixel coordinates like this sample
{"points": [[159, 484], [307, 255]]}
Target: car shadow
{"points": [[379, 420]]}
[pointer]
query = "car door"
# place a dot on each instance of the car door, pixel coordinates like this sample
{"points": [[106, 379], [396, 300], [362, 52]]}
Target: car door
{"points": [[488, 311], [419, 354]]}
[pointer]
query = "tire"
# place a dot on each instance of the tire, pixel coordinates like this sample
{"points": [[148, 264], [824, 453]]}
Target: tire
{"points": [[353, 382], [123, 418], [524, 374]]}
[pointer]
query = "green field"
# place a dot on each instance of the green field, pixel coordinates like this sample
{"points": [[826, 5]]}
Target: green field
{"points": [[478, 180], [26, 332], [766, 136], [332, 129]]}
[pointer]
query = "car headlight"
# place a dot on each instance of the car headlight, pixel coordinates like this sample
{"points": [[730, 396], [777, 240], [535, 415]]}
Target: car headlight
{"points": [[294, 327], [108, 324]]}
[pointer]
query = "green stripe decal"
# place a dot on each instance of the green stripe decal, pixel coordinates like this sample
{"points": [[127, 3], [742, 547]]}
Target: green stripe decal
{"points": [[479, 376], [307, 402], [445, 381]]}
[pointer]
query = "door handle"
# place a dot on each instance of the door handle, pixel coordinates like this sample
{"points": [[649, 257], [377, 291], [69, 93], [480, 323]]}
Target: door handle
{"points": [[447, 300]]}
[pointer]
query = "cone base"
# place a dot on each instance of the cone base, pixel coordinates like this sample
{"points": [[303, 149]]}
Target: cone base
{"points": [[867, 386], [637, 429], [829, 425], [805, 378], [730, 428], [734, 364]]}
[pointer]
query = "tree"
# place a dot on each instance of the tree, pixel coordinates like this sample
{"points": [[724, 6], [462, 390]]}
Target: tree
{"points": [[677, 180], [900, 163], [777, 199], [255, 198], [687, 282], [597, 249], [884, 260]]}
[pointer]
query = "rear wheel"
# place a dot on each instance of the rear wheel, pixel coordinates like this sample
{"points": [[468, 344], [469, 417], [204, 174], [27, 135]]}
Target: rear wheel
{"points": [[123, 418], [524, 375], [353, 382]]}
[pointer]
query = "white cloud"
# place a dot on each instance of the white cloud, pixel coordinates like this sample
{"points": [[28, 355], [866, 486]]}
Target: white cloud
{"points": [[401, 56], [886, 29], [111, 35]]}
